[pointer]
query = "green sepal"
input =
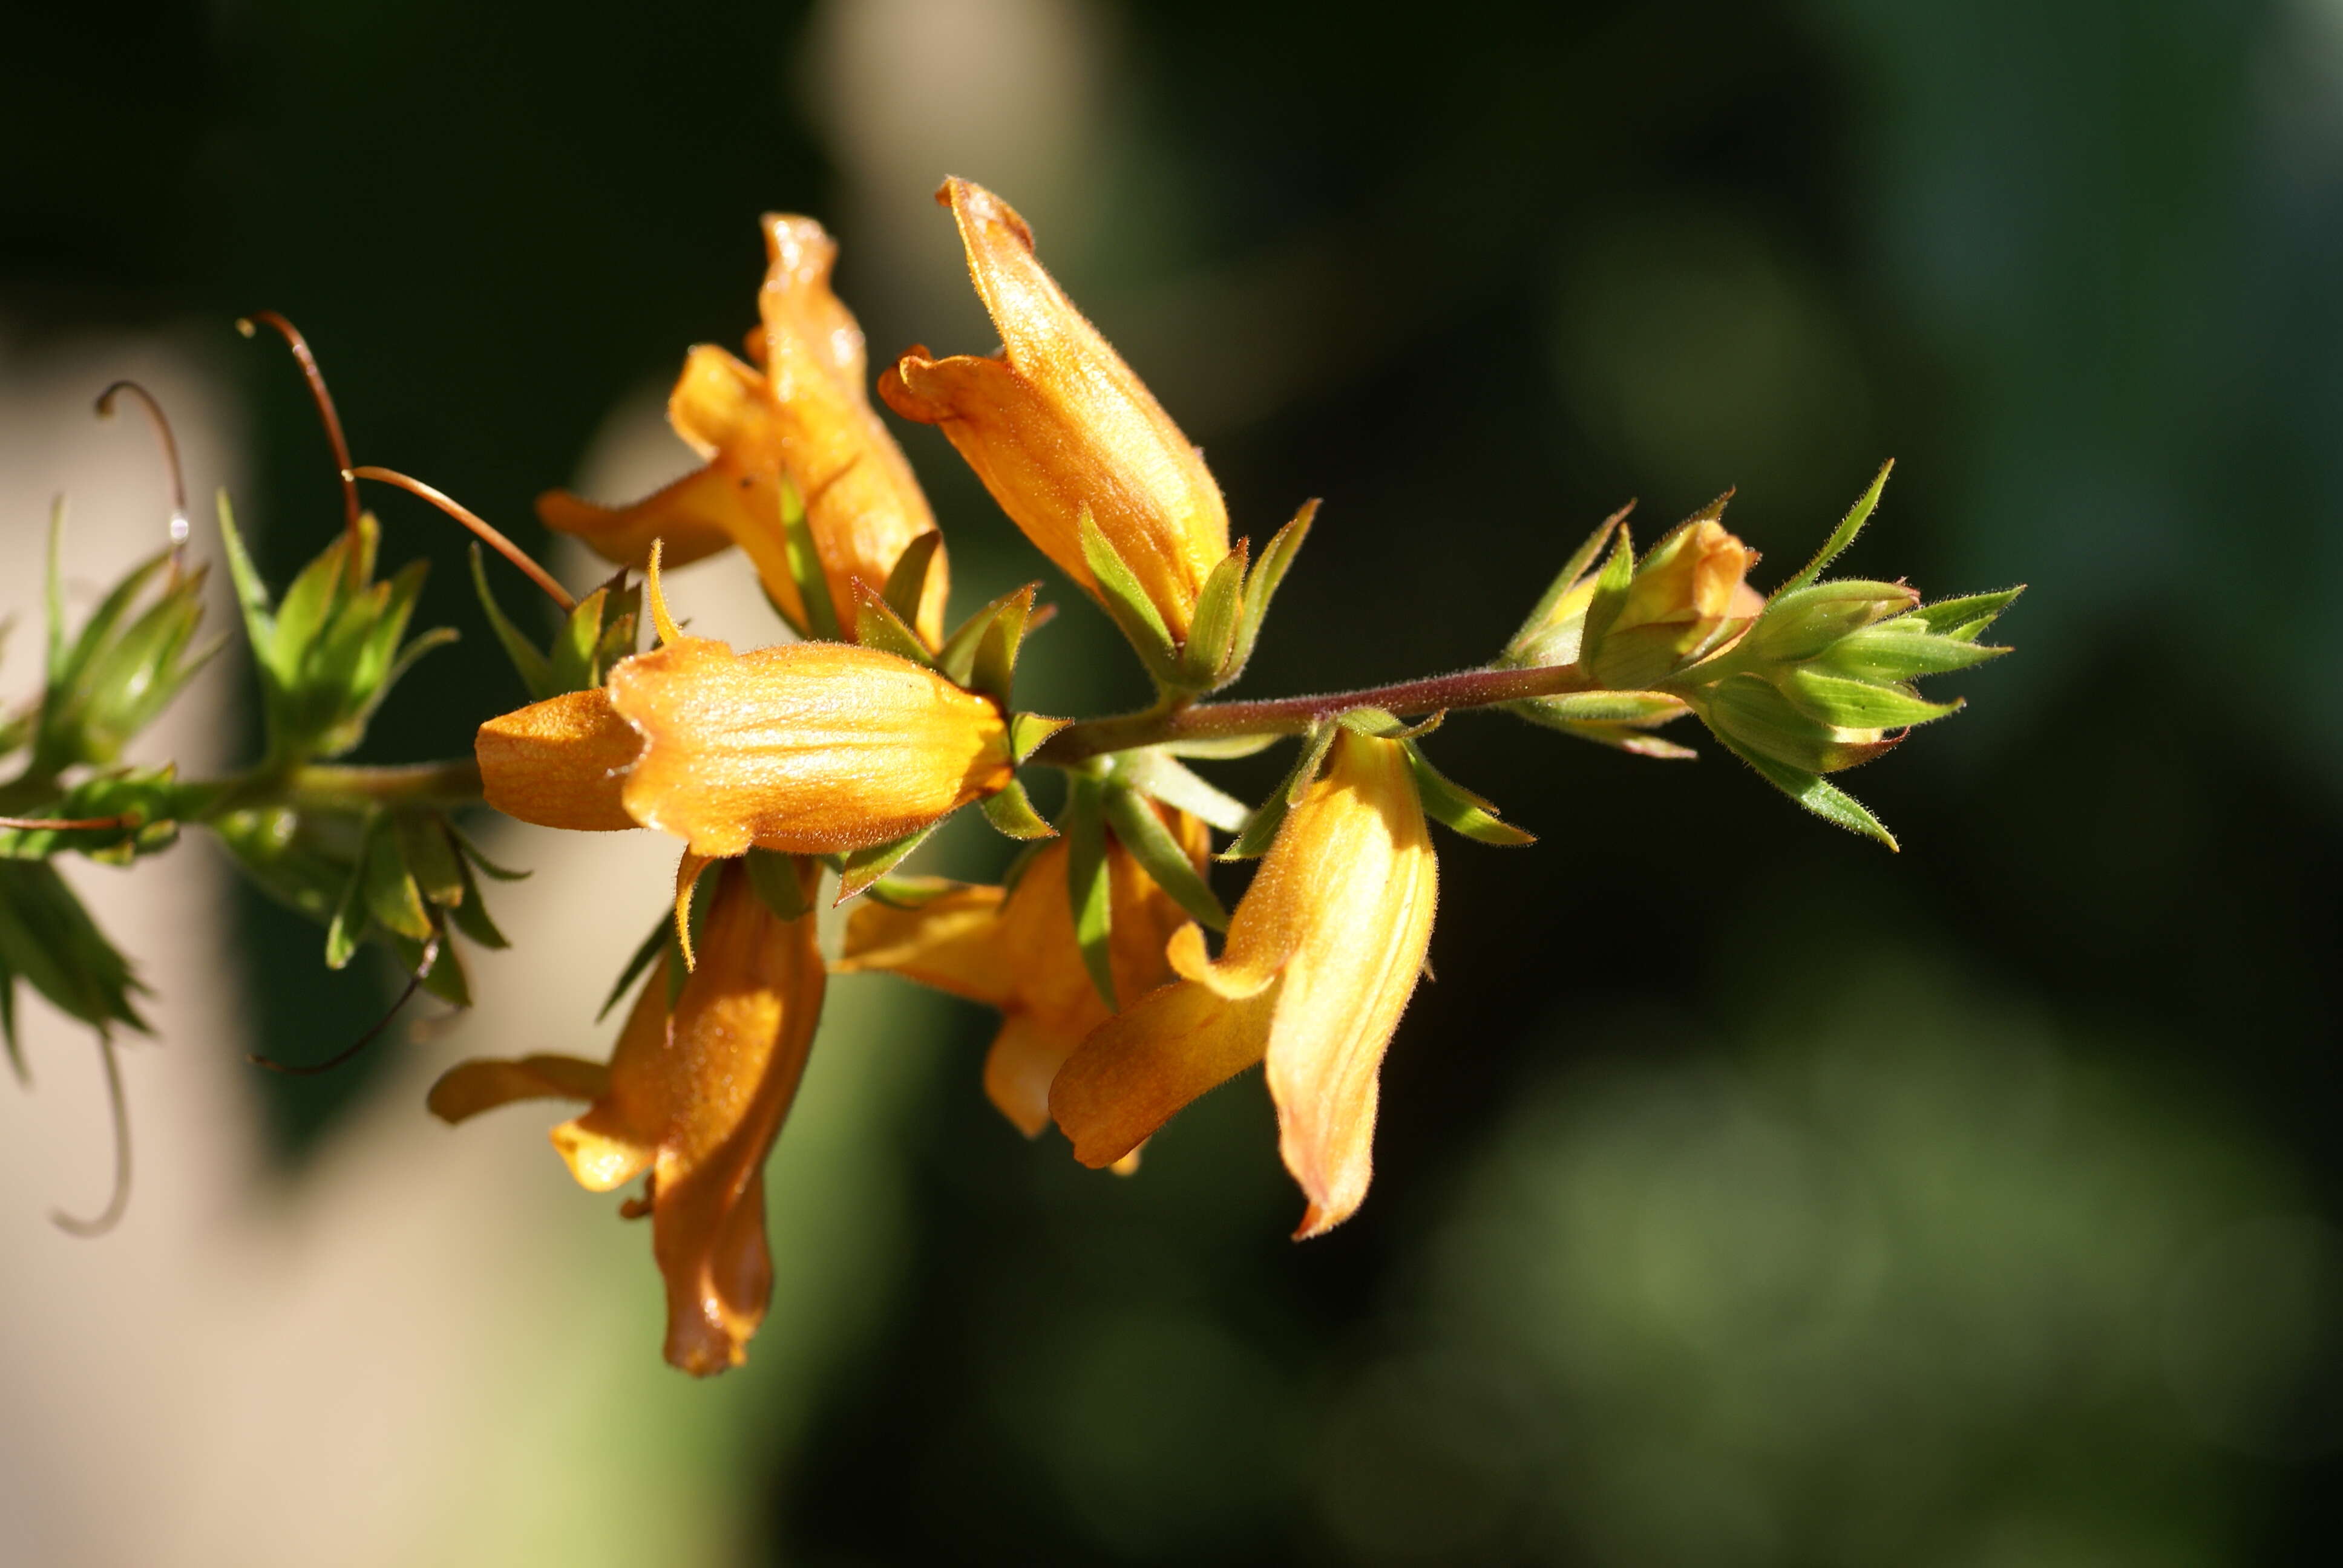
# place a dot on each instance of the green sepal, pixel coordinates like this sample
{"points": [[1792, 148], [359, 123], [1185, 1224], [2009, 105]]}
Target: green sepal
{"points": [[1128, 605], [804, 560], [598, 633], [1842, 536], [1088, 888], [1751, 713], [1961, 618], [1815, 794], [781, 882], [48, 939], [1028, 731], [535, 670], [907, 583], [662, 936], [1153, 771], [1381, 724], [1901, 649], [1533, 624], [1610, 595], [876, 625], [478, 857], [348, 927], [150, 798], [1260, 830], [446, 978], [1447, 802], [911, 893], [860, 868], [1262, 584], [1632, 708], [1011, 812], [431, 860], [470, 913], [251, 593], [1219, 748], [1803, 622], [958, 660], [1150, 843], [1858, 704], [1204, 659], [993, 669], [392, 900], [121, 669]]}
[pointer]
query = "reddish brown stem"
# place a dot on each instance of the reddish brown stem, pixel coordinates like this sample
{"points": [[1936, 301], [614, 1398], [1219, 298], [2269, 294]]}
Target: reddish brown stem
{"points": [[179, 525], [488, 534], [325, 413]]}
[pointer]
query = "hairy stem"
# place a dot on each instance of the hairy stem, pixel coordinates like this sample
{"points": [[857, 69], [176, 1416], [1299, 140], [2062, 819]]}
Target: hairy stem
{"points": [[331, 786], [1293, 715]]}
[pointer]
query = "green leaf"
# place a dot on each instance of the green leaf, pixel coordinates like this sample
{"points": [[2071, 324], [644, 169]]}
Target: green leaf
{"points": [[907, 584], [876, 625], [536, 675], [1448, 802], [473, 853], [958, 660], [911, 892], [1260, 587], [1752, 713], [347, 928], [1626, 738], [446, 978], [1817, 795], [1212, 634], [1610, 595], [784, 882], [1087, 883], [1855, 704], [1567, 579], [1128, 604], [861, 867], [1219, 748], [251, 593], [1153, 771], [1150, 843], [1844, 535], [48, 939], [804, 558], [1381, 724], [1010, 811], [1803, 622]]}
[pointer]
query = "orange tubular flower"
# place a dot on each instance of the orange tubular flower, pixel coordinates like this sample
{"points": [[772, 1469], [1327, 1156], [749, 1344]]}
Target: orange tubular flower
{"points": [[1013, 949], [807, 416], [1058, 425], [695, 1098], [1322, 957], [809, 747]]}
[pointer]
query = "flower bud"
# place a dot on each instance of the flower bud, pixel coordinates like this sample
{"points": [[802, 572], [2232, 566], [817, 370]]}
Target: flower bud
{"points": [[1058, 425], [1686, 597]]}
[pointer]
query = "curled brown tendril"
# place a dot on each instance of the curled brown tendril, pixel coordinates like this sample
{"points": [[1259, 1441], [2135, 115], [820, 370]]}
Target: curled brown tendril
{"points": [[180, 527], [325, 413], [488, 533], [348, 1052]]}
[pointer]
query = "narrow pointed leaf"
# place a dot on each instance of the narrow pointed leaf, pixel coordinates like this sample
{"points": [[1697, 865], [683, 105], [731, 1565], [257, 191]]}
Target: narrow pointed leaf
{"points": [[1638, 708], [536, 675], [805, 567], [470, 913], [1815, 794], [876, 625], [1901, 649], [1844, 535], [645, 956], [1963, 619], [781, 882], [1857, 704], [957, 658], [391, 898], [1027, 731], [861, 867], [438, 870], [1610, 595], [348, 927], [1087, 885], [1448, 802], [993, 671], [1150, 843], [1126, 603], [1262, 584], [907, 583], [1154, 772], [1566, 579], [1211, 634]]}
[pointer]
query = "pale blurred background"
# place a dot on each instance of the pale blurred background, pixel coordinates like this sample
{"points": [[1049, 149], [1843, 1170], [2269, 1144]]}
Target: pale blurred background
{"points": [[1745, 1195]]}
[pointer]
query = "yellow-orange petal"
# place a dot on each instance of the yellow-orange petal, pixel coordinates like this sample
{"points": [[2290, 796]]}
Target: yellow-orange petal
{"points": [[559, 763], [697, 516], [806, 748], [1137, 1070], [469, 1088], [1059, 423], [863, 505], [951, 941]]}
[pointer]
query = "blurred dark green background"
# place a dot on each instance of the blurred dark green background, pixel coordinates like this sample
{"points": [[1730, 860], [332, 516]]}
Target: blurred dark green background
{"points": [[1745, 1195]]}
